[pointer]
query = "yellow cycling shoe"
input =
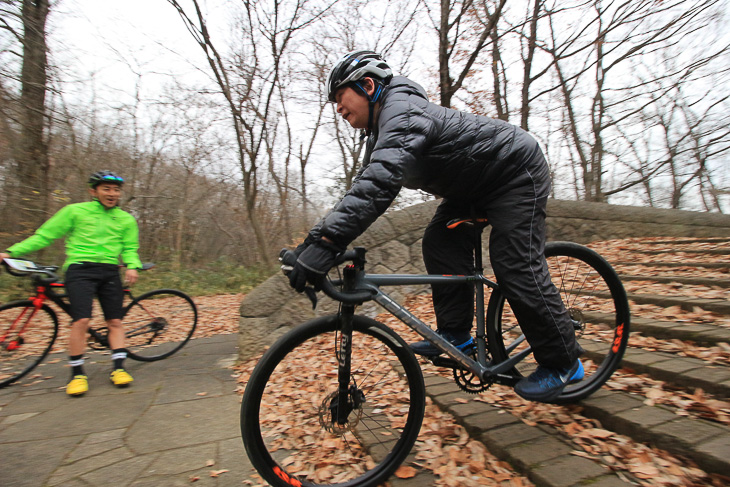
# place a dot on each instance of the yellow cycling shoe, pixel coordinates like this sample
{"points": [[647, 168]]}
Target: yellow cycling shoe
{"points": [[78, 385], [120, 378]]}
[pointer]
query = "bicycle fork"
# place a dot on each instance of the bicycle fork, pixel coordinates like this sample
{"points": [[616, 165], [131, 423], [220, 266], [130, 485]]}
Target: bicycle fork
{"points": [[348, 397], [15, 343]]}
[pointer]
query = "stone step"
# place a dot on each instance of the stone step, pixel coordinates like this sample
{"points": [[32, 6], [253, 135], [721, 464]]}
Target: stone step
{"points": [[689, 241], [688, 304], [697, 281], [684, 251], [702, 334], [685, 372], [679, 371], [541, 455], [544, 455], [705, 442], [704, 265]]}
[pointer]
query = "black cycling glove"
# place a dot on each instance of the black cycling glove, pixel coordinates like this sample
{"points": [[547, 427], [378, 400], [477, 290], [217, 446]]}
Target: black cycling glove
{"points": [[312, 265], [303, 246]]}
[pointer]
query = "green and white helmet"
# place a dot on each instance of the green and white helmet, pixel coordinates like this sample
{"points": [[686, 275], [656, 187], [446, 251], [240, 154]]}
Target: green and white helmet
{"points": [[355, 66]]}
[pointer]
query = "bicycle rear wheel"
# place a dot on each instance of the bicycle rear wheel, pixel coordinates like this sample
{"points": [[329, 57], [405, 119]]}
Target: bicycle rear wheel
{"points": [[158, 324], [287, 420], [596, 301], [27, 335]]}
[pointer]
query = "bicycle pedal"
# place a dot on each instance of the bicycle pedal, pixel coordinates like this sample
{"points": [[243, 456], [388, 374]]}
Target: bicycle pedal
{"points": [[446, 362]]}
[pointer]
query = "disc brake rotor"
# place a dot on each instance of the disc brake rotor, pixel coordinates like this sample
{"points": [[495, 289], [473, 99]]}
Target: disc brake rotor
{"points": [[328, 412]]}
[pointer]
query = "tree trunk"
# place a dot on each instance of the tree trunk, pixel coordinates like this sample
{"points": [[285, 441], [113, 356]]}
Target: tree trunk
{"points": [[31, 152]]}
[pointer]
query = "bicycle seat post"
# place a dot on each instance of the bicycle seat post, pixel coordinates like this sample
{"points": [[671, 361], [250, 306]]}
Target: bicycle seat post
{"points": [[479, 310], [478, 261]]}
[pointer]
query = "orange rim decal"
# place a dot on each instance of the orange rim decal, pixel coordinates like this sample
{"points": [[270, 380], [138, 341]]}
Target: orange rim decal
{"points": [[618, 338], [286, 478]]}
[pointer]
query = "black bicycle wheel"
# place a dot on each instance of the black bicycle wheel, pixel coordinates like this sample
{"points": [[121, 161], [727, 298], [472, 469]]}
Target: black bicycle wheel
{"points": [[27, 335], [158, 324], [596, 300], [287, 420]]}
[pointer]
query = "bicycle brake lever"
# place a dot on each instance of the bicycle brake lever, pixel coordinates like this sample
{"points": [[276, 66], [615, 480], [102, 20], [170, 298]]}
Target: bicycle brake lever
{"points": [[287, 259], [312, 295]]}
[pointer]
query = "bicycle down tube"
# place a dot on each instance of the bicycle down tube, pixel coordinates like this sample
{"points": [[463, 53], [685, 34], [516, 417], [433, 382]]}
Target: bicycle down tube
{"points": [[373, 283]]}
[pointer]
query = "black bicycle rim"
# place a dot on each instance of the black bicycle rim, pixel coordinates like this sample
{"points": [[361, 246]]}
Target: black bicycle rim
{"points": [[595, 298], [158, 323], [293, 405], [18, 358]]}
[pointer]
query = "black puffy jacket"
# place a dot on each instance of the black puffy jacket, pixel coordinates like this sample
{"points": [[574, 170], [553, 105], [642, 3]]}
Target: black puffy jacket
{"points": [[420, 145]]}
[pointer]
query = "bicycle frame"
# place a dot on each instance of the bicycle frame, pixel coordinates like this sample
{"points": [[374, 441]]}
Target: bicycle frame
{"points": [[45, 290], [484, 370], [357, 280]]}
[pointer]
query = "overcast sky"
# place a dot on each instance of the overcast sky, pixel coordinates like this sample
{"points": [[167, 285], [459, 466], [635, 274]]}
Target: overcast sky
{"points": [[110, 40]]}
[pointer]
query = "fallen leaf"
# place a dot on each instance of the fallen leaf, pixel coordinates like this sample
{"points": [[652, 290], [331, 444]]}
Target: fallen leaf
{"points": [[405, 472]]}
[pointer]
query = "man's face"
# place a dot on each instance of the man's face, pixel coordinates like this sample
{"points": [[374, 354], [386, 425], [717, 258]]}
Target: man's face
{"points": [[108, 194], [352, 104]]}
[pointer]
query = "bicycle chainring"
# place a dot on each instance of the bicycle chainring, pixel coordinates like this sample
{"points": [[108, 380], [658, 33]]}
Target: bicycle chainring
{"points": [[468, 381]]}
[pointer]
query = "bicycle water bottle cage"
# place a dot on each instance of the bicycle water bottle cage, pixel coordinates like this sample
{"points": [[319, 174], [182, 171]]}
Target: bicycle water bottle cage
{"points": [[471, 222]]}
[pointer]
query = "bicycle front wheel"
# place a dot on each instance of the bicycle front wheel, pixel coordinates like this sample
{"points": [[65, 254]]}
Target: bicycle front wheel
{"points": [[288, 413], [158, 324], [599, 309], [27, 335]]}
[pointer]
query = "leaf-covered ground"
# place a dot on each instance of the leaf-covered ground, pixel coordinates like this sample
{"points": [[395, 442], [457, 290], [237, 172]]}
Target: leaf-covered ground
{"points": [[446, 449]]}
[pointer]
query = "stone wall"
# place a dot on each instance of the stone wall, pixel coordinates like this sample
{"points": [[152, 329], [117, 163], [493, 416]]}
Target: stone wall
{"points": [[394, 246]]}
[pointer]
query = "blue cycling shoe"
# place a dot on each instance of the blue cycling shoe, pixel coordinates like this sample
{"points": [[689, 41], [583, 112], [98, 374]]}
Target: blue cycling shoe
{"points": [[460, 339], [546, 383]]}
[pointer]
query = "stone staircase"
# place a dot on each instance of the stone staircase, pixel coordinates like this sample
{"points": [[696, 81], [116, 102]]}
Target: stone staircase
{"points": [[548, 458]]}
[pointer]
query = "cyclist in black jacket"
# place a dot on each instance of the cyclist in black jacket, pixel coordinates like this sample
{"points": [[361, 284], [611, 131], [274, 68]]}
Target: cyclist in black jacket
{"points": [[478, 166]]}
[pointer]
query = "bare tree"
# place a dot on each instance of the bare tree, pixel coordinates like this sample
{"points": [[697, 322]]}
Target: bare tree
{"points": [[621, 32], [25, 23], [248, 79], [457, 42], [386, 27]]}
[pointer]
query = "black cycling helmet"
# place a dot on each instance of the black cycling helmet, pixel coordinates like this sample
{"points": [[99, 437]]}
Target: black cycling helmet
{"points": [[355, 66], [104, 177]]}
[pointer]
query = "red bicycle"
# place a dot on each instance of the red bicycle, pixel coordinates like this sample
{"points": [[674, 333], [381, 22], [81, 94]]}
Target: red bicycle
{"points": [[157, 324]]}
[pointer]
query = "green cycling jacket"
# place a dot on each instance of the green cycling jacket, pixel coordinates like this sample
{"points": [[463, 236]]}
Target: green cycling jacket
{"points": [[93, 234]]}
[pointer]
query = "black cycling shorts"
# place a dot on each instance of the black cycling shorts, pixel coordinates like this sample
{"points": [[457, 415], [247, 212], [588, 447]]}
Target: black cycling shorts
{"points": [[89, 279]]}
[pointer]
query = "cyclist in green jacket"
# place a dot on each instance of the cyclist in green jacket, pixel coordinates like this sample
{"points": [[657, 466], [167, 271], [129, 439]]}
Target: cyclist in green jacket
{"points": [[98, 233]]}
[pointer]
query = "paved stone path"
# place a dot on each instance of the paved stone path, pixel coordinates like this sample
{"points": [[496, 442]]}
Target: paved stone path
{"points": [[180, 414]]}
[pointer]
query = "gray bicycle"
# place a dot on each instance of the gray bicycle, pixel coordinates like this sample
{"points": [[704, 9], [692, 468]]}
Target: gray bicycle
{"points": [[340, 400]]}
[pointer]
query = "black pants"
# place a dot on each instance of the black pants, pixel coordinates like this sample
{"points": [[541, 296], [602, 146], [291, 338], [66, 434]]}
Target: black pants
{"points": [[84, 281], [517, 255]]}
